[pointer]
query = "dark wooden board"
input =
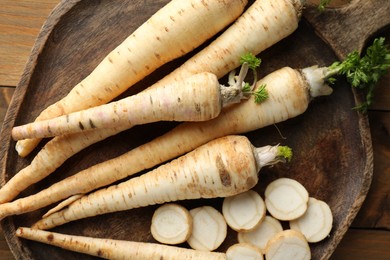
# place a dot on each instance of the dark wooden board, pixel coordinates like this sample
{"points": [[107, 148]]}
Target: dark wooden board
{"points": [[331, 142]]}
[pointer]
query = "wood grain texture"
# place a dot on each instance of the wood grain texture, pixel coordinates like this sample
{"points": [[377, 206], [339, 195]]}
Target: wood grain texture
{"points": [[375, 212], [20, 22], [364, 244], [354, 245], [343, 28]]}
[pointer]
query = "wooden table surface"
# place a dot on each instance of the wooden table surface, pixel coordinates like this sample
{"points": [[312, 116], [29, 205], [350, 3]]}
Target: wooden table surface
{"points": [[369, 234]]}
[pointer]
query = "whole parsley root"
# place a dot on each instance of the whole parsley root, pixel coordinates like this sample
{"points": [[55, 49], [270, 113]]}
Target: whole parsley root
{"points": [[115, 249], [223, 167]]}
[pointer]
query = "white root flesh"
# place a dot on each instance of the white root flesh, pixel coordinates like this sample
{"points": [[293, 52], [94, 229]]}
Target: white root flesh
{"points": [[260, 235], [286, 199], [316, 223], [244, 251], [244, 211], [288, 244], [209, 229], [171, 224]]}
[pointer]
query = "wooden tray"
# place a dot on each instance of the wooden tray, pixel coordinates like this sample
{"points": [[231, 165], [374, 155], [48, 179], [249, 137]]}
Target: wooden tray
{"points": [[332, 142]]}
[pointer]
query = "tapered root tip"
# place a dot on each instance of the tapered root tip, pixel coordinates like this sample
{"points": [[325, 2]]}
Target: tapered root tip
{"points": [[19, 232]]}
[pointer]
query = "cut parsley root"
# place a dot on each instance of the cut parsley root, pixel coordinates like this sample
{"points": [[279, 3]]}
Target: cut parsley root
{"points": [[244, 211], [286, 199], [316, 223], [171, 224], [244, 251], [209, 229], [288, 244], [260, 235]]}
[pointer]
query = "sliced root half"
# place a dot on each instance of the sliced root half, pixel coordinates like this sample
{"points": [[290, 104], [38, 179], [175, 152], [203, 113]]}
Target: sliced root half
{"points": [[288, 244], [244, 211], [260, 235], [243, 251], [316, 223], [286, 199], [209, 229], [171, 224]]}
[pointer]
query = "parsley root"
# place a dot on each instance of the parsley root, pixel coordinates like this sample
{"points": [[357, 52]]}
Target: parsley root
{"points": [[223, 167], [198, 98], [115, 249]]}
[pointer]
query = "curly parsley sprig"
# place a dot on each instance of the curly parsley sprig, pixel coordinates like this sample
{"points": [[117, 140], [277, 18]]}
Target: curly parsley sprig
{"points": [[363, 72], [253, 62]]}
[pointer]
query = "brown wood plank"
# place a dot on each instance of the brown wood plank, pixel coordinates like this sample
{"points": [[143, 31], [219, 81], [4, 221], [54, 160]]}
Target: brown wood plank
{"points": [[20, 23], [375, 212], [364, 244]]}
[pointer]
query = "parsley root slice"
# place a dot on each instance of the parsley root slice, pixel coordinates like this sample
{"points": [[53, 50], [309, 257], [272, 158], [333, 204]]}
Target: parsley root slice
{"points": [[223, 167], [288, 244], [171, 224], [243, 251], [209, 229], [286, 199], [316, 223], [289, 96], [176, 29], [115, 249], [261, 234], [197, 98], [244, 211]]}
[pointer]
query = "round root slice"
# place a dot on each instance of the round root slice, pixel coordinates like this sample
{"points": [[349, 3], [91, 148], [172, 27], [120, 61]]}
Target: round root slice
{"points": [[209, 229], [286, 199], [288, 244], [260, 235], [171, 224], [244, 251], [316, 223], [244, 211]]}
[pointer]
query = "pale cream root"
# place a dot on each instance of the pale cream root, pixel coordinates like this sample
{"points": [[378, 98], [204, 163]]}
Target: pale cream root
{"points": [[317, 221], [209, 229], [244, 211], [288, 244], [260, 235], [286, 199], [116, 249], [244, 251], [171, 224], [196, 98], [220, 168]]}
